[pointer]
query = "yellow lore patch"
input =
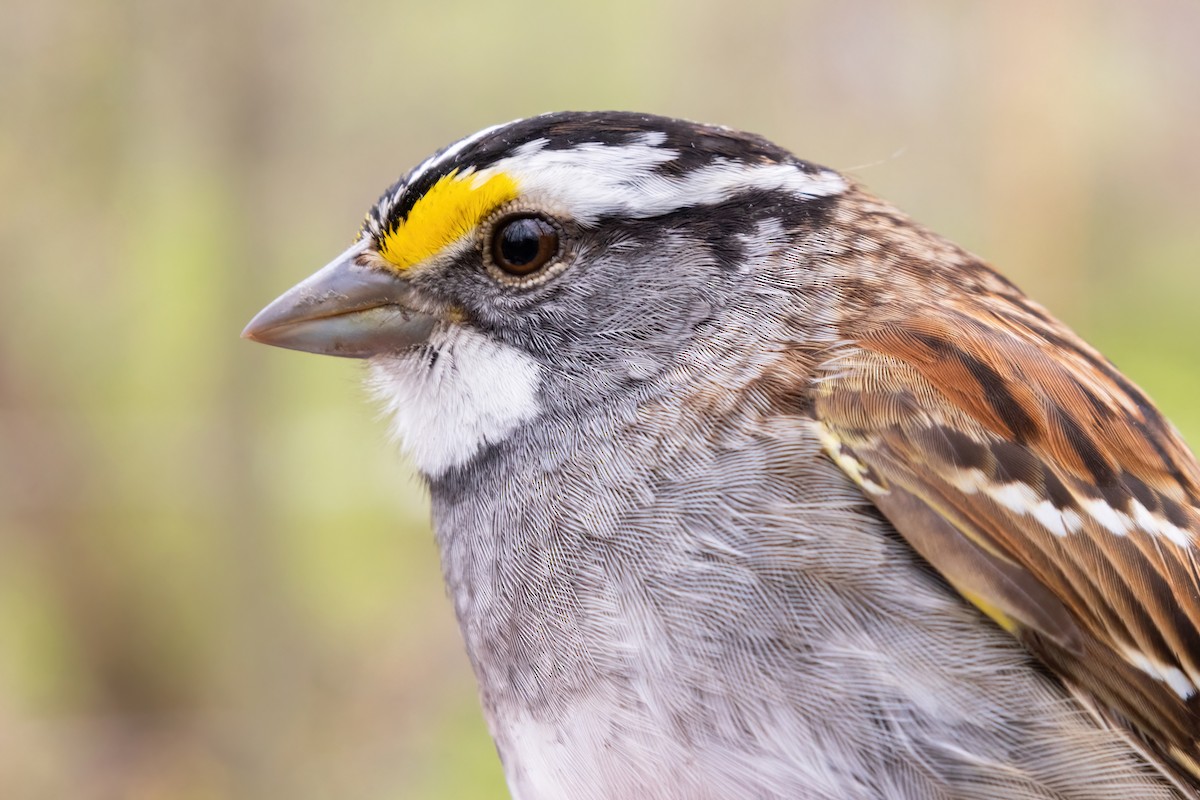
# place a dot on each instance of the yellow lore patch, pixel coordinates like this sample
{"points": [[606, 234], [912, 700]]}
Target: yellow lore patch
{"points": [[449, 211]]}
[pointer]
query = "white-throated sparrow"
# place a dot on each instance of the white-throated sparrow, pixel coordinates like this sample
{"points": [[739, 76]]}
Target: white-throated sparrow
{"points": [[726, 459]]}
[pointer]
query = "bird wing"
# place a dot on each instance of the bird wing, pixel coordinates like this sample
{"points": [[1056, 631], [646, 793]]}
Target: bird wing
{"points": [[1045, 487]]}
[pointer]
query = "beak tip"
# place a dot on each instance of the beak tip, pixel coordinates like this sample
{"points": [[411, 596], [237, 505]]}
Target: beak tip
{"points": [[254, 329], [342, 310]]}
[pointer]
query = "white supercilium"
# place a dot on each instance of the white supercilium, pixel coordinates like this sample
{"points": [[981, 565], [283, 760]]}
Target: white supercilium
{"points": [[593, 180]]}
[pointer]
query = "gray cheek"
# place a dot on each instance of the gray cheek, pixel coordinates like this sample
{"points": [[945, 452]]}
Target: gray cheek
{"points": [[678, 292]]}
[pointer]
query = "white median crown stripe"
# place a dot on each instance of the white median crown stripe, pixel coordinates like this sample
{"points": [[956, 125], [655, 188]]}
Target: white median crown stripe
{"points": [[591, 180]]}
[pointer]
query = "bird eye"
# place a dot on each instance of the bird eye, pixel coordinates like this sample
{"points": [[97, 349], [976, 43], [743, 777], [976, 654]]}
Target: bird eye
{"points": [[523, 244]]}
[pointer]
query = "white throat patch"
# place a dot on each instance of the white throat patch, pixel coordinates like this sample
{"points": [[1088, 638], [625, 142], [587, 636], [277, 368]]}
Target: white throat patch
{"points": [[445, 408]]}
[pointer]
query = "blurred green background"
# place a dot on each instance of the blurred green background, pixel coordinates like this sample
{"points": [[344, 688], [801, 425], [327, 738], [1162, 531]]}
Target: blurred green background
{"points": [[216, 576]]}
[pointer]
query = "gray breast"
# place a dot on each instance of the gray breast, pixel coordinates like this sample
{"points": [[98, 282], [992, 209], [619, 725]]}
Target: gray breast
{"points": [[721, 614]]}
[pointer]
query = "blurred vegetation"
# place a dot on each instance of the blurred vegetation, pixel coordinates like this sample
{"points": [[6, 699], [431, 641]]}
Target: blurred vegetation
{"points": [[216, 578]]}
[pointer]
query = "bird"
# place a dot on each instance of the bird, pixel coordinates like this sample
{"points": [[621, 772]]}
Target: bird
{"points": [[747, 485]]}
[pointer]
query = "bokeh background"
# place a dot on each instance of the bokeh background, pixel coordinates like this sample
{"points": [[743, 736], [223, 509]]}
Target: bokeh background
{"points": [[216, 576]]}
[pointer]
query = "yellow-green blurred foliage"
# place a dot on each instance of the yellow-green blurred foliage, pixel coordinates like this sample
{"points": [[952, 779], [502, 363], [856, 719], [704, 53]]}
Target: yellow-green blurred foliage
{"points": [[216, 577]]}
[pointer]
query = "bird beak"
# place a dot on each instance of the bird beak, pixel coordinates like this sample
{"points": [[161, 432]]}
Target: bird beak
{"points": [[343, 310]]}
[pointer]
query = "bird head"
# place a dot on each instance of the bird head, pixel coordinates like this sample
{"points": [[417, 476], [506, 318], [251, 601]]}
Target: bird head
{"points": [[556, 261]]}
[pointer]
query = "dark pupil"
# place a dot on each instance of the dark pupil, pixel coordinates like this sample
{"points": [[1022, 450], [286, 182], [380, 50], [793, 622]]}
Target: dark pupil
{"points": [[521, 241]]}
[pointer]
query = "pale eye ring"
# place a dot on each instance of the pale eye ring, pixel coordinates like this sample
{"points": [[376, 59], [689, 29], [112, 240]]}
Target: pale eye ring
{"points": [[524, 243]]}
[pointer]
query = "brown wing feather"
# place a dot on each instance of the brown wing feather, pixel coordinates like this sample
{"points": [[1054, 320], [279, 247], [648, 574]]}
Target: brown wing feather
{"points": [[1047, 489]]}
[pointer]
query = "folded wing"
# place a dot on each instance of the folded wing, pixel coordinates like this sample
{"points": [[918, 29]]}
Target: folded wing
{"points": [[1046, 488]]}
